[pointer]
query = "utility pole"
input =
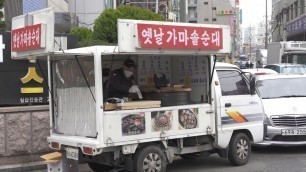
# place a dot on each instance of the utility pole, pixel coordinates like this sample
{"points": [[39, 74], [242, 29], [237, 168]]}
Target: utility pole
{"points": [[266, 35], [250, 37]]}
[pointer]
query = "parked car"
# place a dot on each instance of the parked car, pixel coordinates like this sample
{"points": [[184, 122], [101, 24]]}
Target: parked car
{"points": [[236, 63], [284, 100], [242, 64], [259, 71], [287, 68]]}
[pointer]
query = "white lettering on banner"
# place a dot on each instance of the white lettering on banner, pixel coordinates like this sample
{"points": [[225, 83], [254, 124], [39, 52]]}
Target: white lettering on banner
{"points": [[172, 35], [183, 37], [159, 36], [216, 38], [25, 38], [14, 40], [18, 40], [205, 37], [37, 35], [29, 38], [195, 38], [148, 35]]}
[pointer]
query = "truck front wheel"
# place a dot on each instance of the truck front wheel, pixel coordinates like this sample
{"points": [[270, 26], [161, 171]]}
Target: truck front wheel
{"points": [[239, 149], [150, 158]]}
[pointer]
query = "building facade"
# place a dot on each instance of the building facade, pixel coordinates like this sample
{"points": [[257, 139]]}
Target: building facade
{"points": [[88, 12], [289, 20], [223, 12], [14, 8]]}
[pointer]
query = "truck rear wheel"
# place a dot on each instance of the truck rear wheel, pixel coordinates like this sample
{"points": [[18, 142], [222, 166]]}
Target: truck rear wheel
{"points": [[239, 149], [150, 158], [99, 167]]}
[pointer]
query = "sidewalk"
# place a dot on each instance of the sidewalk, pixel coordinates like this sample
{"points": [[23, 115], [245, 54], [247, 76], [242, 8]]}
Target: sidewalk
{"points": [[33, 167]]}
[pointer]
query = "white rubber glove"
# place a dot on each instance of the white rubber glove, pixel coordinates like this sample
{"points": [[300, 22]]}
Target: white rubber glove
{"points": [[134, 89]]}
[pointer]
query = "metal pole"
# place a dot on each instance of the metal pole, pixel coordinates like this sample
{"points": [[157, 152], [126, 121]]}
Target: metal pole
{"points": [[156, 6], [266, 36], [250, 28]]}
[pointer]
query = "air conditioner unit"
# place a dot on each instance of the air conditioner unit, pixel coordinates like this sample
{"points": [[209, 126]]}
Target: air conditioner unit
{"points": [[64, 22]]}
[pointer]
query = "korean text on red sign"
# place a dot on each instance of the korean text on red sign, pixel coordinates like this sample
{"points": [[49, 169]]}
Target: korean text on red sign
{"points": [[26, 38], [179, 37]]}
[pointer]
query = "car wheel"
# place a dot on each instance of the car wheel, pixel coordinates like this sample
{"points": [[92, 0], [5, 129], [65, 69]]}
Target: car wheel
{"points": [[239, 149], [150, 158]]}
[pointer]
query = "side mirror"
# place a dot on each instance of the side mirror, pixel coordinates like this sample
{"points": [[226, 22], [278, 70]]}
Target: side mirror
{"points": [[253, 85]]}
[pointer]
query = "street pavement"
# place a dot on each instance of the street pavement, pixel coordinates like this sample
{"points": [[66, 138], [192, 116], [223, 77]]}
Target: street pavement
{"points": [[270, 159]]}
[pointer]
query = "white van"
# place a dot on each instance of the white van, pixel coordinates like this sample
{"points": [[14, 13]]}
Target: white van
{"points": [[284, 100]]}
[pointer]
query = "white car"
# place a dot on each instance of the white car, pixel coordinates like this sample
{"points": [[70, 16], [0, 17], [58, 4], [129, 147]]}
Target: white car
{"points": [[259, 71], [287, 68], [284, 102]]}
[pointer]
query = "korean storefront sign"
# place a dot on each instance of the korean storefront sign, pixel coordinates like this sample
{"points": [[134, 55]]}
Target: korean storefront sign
{"points": [[27, 38], [179, 37], [297, 26]]}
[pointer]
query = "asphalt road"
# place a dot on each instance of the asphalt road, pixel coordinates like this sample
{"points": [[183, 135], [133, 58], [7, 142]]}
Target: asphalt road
{"points": [[270, 159]]}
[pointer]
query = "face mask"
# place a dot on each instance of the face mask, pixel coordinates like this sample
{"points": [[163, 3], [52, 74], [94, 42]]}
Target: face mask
{"points": [[128, 73]]}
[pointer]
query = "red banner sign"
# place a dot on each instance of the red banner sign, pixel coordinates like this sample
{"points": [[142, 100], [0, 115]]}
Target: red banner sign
{"points": [[26, 38], [179, 37]]}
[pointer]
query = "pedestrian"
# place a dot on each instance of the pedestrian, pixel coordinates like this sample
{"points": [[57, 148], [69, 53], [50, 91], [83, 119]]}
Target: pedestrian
{"points": [[247, 65], [251, 65]]}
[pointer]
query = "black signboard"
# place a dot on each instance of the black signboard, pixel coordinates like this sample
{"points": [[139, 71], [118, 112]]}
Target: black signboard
{"points": [[22, 82]]}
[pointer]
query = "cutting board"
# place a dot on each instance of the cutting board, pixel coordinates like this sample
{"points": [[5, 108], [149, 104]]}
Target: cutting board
{"points": [[140, 105]]}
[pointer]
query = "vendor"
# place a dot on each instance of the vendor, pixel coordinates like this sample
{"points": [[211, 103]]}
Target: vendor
{"points": [[121, 81]]}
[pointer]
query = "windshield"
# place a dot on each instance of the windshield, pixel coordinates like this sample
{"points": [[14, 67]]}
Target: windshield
{"points": [[282, 87], [294, 58], [293, 69]]}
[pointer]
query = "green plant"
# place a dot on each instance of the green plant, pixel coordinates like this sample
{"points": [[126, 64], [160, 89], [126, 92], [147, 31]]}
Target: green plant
{"points": [[105, 27]]}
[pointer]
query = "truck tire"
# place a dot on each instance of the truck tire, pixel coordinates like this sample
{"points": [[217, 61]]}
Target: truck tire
{"points": [[150, 158], [239, 149], [99, 167]]}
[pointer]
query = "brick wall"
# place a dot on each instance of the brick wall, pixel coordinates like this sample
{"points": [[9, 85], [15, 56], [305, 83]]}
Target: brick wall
{"points": [[23, 134]]}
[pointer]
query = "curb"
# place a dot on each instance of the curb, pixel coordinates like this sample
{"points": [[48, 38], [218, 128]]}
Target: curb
{"points": [[24, 167]]}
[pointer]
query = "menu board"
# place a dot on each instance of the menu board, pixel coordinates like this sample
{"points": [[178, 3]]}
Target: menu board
{"points": [[150, 65], [193, 70]]}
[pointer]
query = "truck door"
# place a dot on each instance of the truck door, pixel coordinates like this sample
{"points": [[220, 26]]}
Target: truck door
{"points": [[237, 106]]}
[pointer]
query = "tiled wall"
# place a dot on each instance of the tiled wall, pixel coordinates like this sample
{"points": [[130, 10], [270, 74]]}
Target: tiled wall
{"points": [[23, 134]]}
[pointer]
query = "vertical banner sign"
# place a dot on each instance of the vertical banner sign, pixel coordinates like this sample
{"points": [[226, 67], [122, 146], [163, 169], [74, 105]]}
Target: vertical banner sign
{"points": [[231, 18], [240, 16], [26, 38], [179, 37]]}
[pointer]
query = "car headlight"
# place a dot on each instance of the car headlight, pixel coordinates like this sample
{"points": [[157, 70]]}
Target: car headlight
{"points": [[268, 121]]}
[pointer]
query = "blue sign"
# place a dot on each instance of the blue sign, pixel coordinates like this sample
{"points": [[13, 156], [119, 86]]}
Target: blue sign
{"points": [[297, 26]]}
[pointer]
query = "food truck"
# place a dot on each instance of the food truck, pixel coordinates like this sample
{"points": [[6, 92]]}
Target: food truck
{"points": [[200, 108]]}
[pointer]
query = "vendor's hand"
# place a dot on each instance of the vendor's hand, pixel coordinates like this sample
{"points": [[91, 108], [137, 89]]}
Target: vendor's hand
{"points": [[134, 89]]}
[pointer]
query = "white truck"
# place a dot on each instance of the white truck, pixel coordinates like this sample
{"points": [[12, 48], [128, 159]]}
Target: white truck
{"points": [[222, 114], [287, 52]]}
